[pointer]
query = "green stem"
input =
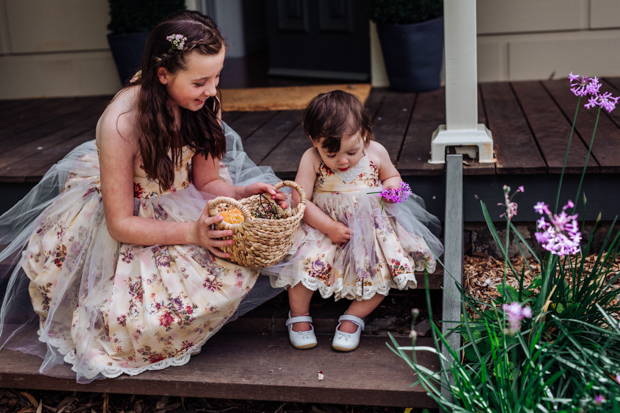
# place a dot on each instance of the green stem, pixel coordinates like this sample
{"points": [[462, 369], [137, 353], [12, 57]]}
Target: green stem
{"points": [[572, 130], [583, 173], [506, 256]]}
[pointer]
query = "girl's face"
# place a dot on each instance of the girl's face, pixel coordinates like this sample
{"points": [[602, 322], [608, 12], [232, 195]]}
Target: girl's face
{"points": [[190, 88], [350, 153]]}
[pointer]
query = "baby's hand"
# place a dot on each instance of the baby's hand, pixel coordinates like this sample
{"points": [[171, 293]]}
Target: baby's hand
{"points": [[262, 187], [339, 233]]}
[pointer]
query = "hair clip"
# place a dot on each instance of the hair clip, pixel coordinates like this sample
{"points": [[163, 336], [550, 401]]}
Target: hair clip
{"points": [[136, 76], [177, 40]]}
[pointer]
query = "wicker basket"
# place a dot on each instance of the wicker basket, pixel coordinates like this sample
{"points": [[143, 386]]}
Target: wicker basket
{"points": [[259, 242]]}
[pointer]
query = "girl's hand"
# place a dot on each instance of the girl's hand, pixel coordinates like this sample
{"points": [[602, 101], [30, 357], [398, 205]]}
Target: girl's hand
{"points": [[201, 234], [261, 187], [339, 233]]}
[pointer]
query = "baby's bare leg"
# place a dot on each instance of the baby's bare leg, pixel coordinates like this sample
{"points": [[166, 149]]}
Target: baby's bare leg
{"points": [[360, 309], [299, 299]]}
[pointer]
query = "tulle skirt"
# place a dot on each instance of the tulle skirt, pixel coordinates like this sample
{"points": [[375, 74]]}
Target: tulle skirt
{"points": [[109, 308], [389, 242]]}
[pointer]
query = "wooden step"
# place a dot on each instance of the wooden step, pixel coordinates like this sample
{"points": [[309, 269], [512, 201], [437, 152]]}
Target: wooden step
{"points": [[256, 367]]}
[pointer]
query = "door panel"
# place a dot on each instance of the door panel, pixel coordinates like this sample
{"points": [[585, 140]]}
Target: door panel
{"points": [[319, 39]]}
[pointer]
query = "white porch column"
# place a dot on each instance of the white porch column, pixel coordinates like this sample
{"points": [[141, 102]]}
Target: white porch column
{"points": [[462, 129]]}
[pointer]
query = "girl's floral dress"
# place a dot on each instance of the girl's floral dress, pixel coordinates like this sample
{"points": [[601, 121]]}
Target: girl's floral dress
{"points": [[109, 308], [386, 247]]}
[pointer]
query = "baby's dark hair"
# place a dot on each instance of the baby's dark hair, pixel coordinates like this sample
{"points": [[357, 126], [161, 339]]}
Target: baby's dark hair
{"points": [[334, 115]]}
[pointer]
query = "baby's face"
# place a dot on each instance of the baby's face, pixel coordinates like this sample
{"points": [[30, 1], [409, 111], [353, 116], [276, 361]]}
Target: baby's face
{"points": [[350, 153]]}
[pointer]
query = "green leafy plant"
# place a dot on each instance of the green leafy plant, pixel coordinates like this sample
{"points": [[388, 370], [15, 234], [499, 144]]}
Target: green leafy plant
{"points": [[404, 11], [134, 16], [553, 345]]}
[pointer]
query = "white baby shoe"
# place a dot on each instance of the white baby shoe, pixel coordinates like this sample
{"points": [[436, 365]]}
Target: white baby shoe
{"points": [[301, 339], [344, 341]]}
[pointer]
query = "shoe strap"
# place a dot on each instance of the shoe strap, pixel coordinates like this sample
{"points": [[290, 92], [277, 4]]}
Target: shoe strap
{"points": [[353, 319], [300, 319]]}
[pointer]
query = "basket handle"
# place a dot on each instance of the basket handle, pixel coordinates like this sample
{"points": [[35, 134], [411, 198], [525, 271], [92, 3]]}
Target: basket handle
{"points": [[296, 187], [231, 201]]}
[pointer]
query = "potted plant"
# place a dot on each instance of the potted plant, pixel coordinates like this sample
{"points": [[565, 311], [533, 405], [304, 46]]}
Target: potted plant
{"points": [[411, 37], [130, 24]]}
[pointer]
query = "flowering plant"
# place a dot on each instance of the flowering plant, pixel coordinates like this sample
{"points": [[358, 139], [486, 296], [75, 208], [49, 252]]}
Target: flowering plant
{"points": [[177, 40], [552, 345]]}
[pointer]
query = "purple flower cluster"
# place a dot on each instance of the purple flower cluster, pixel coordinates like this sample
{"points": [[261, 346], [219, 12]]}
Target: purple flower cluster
{"points": [[560, 235], [511, 207], [515, 314], [589, 86], [584, 86], [396, 195], [605, 100]]}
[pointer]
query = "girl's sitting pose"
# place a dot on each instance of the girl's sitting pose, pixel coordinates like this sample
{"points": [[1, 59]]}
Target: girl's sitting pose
{"points": [[114, 246], [354, 245]]}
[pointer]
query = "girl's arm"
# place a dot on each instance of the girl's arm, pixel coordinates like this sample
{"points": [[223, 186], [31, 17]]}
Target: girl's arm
{"points": [[206, 178], [314, 216], [388, 174], [118, 149]]}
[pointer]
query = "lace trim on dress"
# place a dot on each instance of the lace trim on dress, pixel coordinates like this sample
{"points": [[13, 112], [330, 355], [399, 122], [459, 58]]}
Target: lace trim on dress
{"points": [[350, 174], [339, 290], [111, 372]]}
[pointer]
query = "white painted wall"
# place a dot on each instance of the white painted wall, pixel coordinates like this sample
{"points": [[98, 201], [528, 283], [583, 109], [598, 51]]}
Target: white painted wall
{"points": [[55, 48], [59, 48], [542, 39]]}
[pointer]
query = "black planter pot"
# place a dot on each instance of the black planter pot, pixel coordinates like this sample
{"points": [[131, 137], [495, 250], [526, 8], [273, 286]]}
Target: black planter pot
{"points": [[127, 52], [413, 54]]}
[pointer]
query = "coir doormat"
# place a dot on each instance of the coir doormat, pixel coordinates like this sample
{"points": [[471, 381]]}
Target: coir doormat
{"points": [[283, 98]]}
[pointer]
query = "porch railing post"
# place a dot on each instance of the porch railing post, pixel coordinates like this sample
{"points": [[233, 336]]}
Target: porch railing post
{"points": [[453, 258], [461, 129]]}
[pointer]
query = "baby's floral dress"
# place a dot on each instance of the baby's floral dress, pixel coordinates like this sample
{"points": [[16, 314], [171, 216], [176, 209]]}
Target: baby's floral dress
{"points": [[387, 244], [109, 308]]}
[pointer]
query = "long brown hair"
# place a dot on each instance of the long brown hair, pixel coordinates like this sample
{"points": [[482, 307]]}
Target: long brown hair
{"points": [[158, 133]]}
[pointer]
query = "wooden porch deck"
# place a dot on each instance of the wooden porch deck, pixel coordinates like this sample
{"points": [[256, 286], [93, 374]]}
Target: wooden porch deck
{"points": [[530, 122]]}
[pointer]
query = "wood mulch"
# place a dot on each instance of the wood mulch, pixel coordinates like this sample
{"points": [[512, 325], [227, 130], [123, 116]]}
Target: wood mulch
{"points": [[482, 274], [39, 401]]}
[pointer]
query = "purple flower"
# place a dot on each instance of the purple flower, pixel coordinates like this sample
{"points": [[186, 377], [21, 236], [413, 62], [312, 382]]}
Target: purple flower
{"points": [[605, 100], [515, 314], [511, 207], [397, 195], [541, 208], [599, 399], [584, 86], [560, 235], [521, 189], [618, 378], [541, 223]]}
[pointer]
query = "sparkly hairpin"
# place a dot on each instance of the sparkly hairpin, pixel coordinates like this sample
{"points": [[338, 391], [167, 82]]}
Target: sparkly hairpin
{"points": [[177, 40]]}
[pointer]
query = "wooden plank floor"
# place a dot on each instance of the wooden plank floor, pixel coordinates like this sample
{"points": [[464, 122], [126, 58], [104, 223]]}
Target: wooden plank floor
{"points": [[256, 366], [530, 122]]}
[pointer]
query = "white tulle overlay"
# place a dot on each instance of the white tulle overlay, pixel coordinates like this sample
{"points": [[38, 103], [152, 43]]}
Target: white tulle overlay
{"points": [[389, 241], [109, 308]]}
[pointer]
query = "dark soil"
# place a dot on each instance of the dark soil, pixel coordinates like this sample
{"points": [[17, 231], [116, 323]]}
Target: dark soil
{"points": [[29, 401]]}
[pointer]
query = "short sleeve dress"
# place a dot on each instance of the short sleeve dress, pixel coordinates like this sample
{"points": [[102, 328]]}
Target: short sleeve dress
{"points": [[105, 307]]}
